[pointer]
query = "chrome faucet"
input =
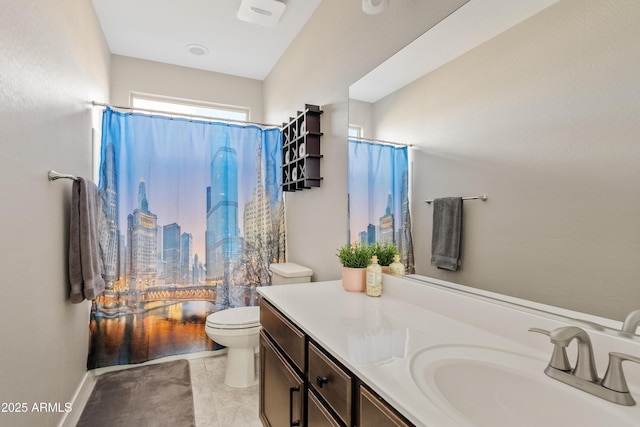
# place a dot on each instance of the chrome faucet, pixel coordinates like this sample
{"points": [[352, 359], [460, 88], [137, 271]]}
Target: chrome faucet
{"points": [[584, 376], [632, 322]]}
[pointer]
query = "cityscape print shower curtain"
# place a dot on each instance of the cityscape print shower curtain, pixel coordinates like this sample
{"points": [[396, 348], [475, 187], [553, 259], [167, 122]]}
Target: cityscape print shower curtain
{"points": [[378, 206], [192, 215]]}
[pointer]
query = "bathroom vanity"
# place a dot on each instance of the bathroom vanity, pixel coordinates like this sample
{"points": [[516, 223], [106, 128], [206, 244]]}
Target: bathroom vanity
{"points": [[292, 365], [423, 354]]}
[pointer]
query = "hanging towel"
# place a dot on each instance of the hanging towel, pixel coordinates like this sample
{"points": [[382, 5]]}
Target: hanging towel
{"points": [[447, 233], [84, 253]]}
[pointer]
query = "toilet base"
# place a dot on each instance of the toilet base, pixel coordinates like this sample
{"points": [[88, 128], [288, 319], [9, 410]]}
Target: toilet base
{"points": [[241, 368]]}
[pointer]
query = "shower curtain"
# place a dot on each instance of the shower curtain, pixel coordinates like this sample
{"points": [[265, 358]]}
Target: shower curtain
{"points": [[192, 215], [378, 207]]}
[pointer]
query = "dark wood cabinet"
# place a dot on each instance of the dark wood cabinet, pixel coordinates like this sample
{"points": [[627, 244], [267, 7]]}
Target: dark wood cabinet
{"points": [[301, 384], [375, 412], [285, 334], [301, 150], [317, 413], [281, 388], [332, 382]]}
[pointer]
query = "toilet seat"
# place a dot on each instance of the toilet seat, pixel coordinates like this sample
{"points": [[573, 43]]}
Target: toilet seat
{"points": [[235, 318]]}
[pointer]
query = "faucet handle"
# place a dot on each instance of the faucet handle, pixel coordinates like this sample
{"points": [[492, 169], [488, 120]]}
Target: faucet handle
{"points": [[559, 359], [540, 331], [614, 378]]}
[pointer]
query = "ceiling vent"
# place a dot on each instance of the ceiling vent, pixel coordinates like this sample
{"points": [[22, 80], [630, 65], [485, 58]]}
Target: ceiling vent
{"points": [[261, 12]]}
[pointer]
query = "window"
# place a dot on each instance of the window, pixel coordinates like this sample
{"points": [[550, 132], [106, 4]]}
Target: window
{"points": [[355, 131], [188, 108]]}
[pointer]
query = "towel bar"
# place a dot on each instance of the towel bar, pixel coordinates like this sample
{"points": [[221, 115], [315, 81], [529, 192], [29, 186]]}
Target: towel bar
{"points": [[482, 197], [53, 175]]}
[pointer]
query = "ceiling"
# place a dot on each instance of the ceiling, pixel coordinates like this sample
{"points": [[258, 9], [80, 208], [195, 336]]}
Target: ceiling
{"points": [[468, 27], [163, 30]]}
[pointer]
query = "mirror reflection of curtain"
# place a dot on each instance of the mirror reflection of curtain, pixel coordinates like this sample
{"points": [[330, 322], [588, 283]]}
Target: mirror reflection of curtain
{"points": [[379, 197], [192, 216]]}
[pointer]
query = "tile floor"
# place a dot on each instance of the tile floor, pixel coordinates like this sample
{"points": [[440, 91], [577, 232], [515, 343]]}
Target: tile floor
{"points": [[216, 404]]}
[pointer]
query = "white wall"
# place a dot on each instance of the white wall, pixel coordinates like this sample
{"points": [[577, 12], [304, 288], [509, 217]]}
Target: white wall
{"points": [[337, 47], [139, 75], [543, 119], [54, 62], [361, 114]]}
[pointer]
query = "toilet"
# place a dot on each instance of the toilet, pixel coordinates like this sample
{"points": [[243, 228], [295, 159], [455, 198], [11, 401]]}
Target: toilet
{"points": [[238, 328]]}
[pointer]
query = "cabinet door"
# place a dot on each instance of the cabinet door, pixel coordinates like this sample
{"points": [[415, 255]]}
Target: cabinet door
{"points": [[374, 412], [281, 389]]}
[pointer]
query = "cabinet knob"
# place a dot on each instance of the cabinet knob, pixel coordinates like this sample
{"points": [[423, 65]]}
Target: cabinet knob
{"points": [[321, 381]]}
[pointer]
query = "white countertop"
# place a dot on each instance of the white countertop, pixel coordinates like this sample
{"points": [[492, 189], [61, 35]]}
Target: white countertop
{"points": [[376, 338]]}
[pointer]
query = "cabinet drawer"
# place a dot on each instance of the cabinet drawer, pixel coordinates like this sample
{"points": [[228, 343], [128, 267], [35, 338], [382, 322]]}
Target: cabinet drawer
{"points": [[375, 412], [284, 333], [332, 383], [317, 414]]}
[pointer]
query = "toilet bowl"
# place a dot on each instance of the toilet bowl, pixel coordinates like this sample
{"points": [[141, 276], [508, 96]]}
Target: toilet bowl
{"points": [[238, 329]]}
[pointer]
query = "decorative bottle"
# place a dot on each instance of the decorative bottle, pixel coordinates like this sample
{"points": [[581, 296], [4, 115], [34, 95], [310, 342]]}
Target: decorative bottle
{"points": [[374, 278], [396, 267]]}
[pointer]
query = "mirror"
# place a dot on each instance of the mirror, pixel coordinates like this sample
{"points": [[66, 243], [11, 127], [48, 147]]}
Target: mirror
{"points": [[537, 108]]}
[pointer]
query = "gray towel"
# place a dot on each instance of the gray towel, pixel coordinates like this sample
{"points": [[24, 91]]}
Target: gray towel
{"points": [[84, 249], [447, 233]]}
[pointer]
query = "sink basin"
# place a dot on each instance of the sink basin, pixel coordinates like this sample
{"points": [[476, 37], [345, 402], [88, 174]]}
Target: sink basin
{"points": [[481, 386]]}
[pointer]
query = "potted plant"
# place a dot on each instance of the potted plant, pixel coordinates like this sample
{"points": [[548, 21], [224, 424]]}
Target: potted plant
{"points": [[384, 252], [354, 258]]}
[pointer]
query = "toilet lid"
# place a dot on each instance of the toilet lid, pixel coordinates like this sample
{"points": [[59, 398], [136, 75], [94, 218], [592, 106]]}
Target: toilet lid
{"points": [[235, 318]]}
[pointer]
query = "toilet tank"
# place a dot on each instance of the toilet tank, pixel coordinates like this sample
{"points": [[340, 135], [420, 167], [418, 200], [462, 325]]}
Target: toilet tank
{"points": [[287, 273]]}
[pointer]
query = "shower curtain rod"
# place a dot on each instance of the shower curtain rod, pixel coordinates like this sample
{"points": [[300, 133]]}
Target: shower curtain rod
{"points": [[188, 116], [381, 141]]}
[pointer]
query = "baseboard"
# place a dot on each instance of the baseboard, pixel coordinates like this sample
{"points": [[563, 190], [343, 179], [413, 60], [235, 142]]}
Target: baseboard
{"points": [[79, 400]]}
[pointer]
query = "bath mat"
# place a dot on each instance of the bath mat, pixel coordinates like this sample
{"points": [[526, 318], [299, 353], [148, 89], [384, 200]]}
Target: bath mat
{"points": [[151, 395]]}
